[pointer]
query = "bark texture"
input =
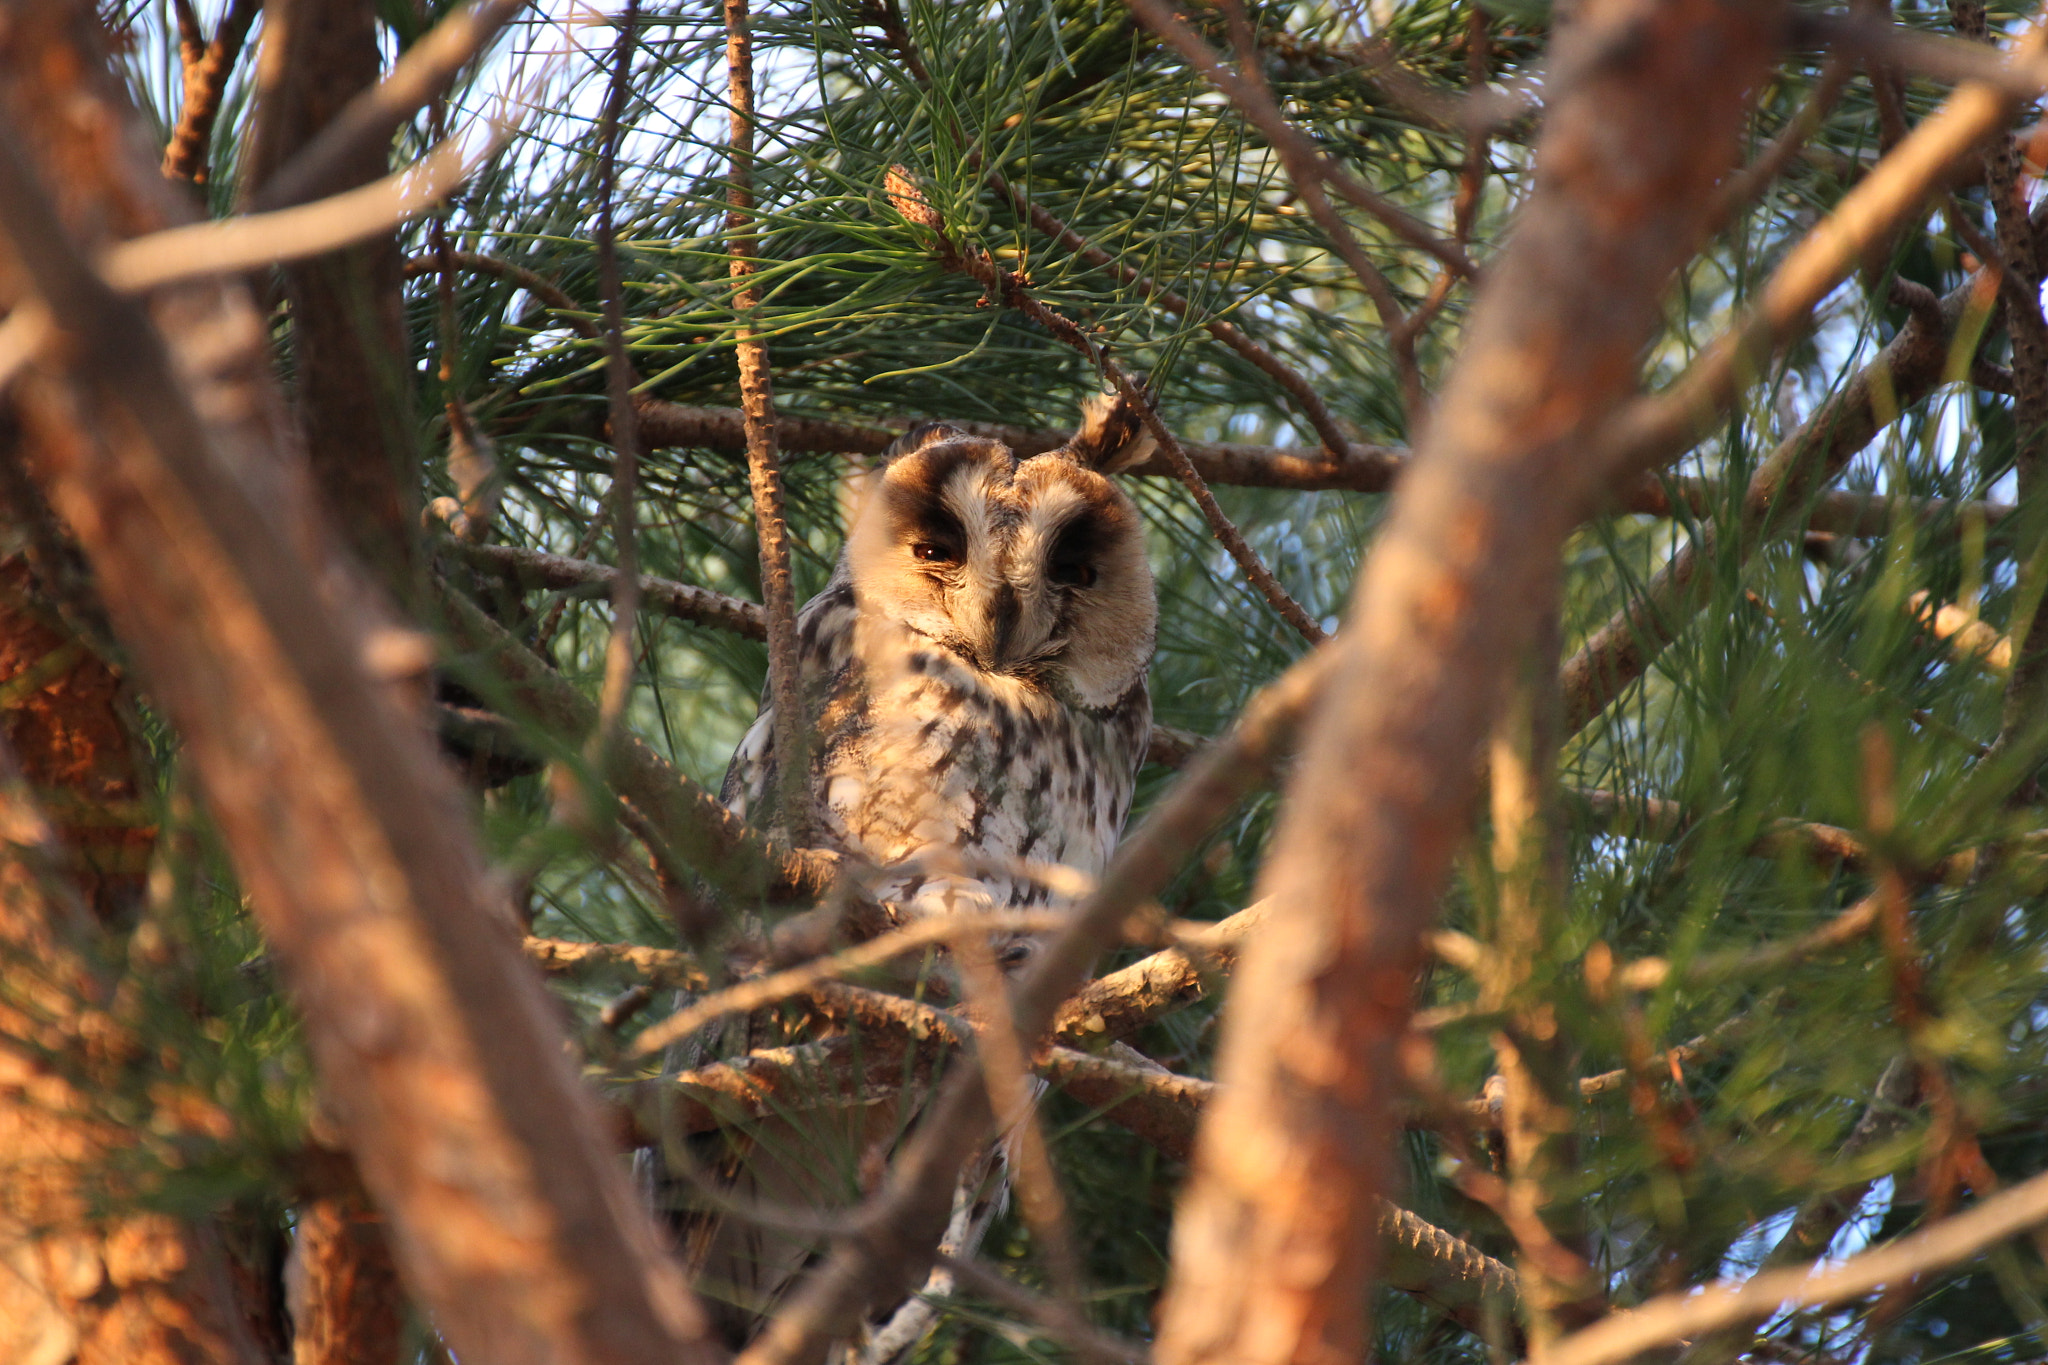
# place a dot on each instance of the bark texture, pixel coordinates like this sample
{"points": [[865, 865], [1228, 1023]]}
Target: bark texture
{"points": [[353, 393], [1273, 1245], [436, 1044]]}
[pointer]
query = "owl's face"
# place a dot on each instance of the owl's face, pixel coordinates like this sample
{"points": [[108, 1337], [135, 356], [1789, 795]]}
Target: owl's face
{"points": [[1033, 568]]}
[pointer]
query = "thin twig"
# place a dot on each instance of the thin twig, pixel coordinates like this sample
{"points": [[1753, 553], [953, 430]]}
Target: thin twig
{"points": [[546, 290], [1313, 409], [206, 79], [764, 471], [760, 992], [625, 433], [1224, 529], [1309, 173]]}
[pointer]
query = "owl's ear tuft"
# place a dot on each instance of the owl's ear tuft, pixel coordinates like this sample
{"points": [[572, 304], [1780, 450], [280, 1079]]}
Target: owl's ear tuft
{"points": [[1112, 437], [922, 435]]}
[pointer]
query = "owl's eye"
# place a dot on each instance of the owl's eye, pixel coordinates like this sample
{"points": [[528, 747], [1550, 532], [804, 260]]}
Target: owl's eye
{"points": [[930, 553], [1071, 573]]}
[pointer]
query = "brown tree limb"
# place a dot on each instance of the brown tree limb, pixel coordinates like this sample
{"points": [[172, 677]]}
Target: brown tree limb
{"points": [[354, 388], [436, 1045], [583, 578], [340, 1281], [206, 80], [1364, 468], [792, 722], [1295, 1150], [84, 1273]]}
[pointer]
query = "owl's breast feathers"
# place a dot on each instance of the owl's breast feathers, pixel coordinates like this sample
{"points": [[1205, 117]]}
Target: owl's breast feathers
{"points": [[915, 749]]}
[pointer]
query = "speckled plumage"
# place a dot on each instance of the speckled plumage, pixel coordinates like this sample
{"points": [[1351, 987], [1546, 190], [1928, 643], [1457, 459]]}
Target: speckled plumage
{"points": [[975, 672]]}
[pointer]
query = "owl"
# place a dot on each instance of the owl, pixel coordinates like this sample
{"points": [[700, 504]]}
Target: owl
{"points": [[974, 677], [975, 668]]}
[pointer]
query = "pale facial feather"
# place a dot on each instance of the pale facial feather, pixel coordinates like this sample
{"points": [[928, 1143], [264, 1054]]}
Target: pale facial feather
{"points": [[958, 542]]}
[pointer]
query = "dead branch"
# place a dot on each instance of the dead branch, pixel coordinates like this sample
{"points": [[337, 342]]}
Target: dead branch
{"points": [[1673, 1318], [663, 967], [792, 723], [206, 80], [762, 991], [1466, 562], [365, 126], [436, 1045]]}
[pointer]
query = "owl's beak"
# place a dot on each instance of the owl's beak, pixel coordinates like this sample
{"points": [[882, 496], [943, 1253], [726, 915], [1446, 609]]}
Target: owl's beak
{"points": [[1000, 614]]}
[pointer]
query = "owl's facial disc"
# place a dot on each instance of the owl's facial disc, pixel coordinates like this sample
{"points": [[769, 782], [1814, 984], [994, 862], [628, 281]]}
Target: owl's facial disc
{"points": [[1033, 569]]}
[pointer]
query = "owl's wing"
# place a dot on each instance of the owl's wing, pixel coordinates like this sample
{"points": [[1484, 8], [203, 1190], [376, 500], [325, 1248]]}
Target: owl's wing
{"points": [[824, 633]]}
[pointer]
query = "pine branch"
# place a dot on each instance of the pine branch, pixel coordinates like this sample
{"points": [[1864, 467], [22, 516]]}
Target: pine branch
{"points": [[1257, 105], [1905, 372], [206, 80], [792, 722], [583, 578], [1362, 468]]}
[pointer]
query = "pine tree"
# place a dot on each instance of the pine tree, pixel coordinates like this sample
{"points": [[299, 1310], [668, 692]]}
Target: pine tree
{"points": [[1706, 944]]}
